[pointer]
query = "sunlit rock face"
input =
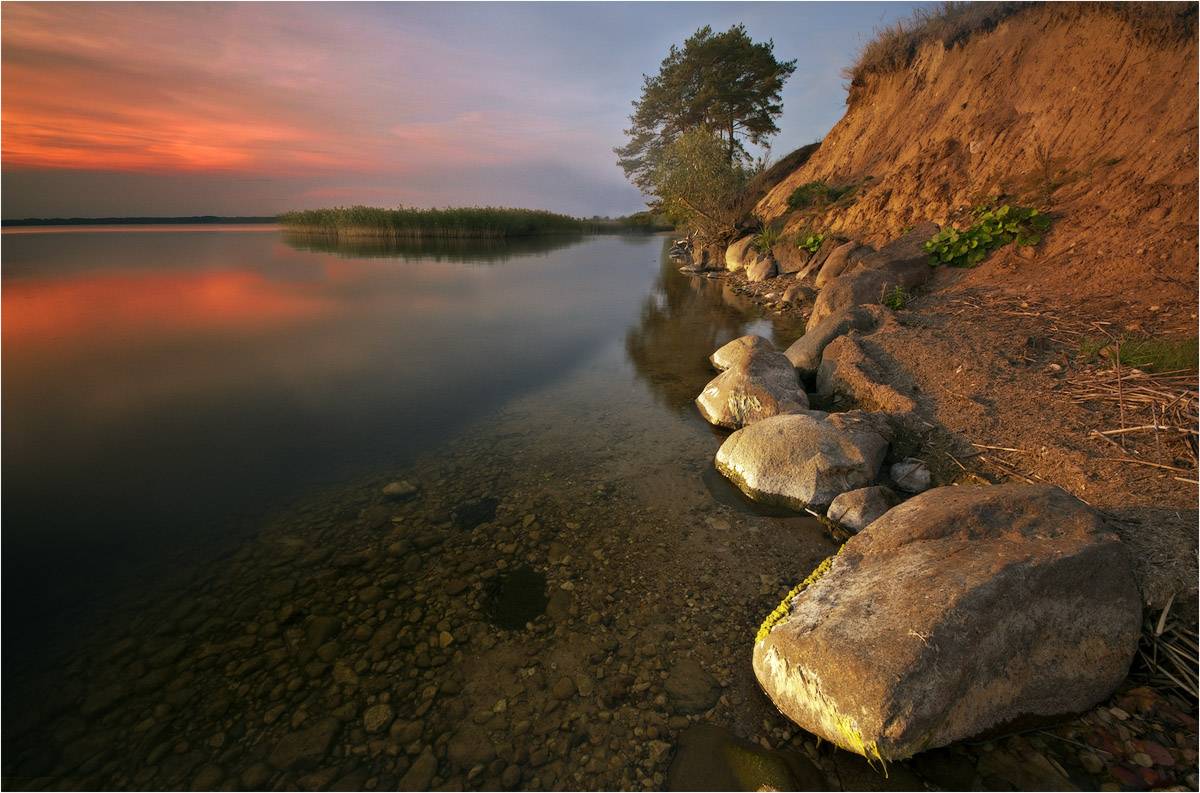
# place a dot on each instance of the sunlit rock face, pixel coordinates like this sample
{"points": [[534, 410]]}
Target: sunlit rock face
{"points": [[762, 383], [803, 459], [962, 611], [805, 352], [736, 351]]}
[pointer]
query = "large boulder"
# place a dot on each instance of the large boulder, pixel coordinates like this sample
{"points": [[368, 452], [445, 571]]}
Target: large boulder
{"points": [[789, 257], [737, 350], [805, 352], [905, 257], [841, 259], [960, 613], [860, 287], [761, 268], [848, 370], [803, 459], [761, 384], [815, 262], [737, 253]]}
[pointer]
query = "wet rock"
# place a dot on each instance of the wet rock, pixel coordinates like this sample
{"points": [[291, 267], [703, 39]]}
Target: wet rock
{"points": [[805, 352], [378, 718], [857, 509], [905, 257], [911, 475], [762, 384], [710, 758], [689, 688], [860, 287], [564, 688], [801, 460], [738, 350], [963, 610], [304, 749], [420, 774], [322, 629], [400, 490]]}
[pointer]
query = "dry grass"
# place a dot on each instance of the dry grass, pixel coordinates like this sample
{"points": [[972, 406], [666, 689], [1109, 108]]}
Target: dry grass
{"points": [[894, 48]]}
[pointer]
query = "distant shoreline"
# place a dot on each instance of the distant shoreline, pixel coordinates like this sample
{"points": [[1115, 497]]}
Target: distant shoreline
{"points": [[138, 221]]}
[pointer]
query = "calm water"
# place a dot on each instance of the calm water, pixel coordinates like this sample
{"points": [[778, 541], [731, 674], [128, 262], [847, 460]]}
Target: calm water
{"points": [[165, 390]]}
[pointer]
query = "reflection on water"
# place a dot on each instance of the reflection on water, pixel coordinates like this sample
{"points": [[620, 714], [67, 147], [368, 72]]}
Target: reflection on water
{"points": [[683, 320], [463, 251], [205, 586]]}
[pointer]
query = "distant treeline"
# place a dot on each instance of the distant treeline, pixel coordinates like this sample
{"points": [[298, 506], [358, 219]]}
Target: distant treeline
{"points": [[450, 223], [210, 219]]}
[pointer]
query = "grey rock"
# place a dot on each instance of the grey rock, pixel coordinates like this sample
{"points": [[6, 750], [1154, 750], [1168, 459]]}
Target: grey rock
{"points": [[789, 257], [805, 352], [737, 350], [761, 268], [860, 287], [798, 293], [300, 751], [737, 253], [963, 611], [762, 384], [857, 509], [905, 258], [802, 459], [847, 369], [911, 475], [840, 260]]}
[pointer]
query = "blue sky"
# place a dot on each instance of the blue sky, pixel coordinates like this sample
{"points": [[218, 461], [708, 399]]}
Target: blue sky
{"points": [[253, 109]]}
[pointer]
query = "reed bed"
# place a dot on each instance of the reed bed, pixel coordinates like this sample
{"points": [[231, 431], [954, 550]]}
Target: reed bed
{"points": [[450, 223]]}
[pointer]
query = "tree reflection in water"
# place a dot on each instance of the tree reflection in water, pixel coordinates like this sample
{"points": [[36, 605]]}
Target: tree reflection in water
{"points": [[684, 320]]}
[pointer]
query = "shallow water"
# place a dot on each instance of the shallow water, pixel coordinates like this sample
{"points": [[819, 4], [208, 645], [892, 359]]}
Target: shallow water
{"points": [[200, 564]]}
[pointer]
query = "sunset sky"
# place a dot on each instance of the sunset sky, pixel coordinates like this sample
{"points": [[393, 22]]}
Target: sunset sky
{"points": [[166, 109]]}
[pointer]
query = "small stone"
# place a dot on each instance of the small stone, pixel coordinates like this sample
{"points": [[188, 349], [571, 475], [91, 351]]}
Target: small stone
{"points": [[1143, 759], [445, 639], [911, 475], [563, 689], [399, 491], [1090, 762], [378, 718], [511, 777], [420, 774]]}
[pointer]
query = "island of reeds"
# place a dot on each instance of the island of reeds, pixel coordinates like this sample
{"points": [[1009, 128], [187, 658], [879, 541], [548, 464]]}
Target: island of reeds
{"points": [[450, 223]]}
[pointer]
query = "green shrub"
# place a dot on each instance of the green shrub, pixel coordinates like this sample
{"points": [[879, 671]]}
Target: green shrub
{"points": [[895, 298], [461, 222], [994, 229], [765, 239]]}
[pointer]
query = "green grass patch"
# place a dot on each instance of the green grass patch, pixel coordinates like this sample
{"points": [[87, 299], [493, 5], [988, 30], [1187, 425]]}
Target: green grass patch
{"points": [[766, 238], [895, 298], [463, 222], [1149, 355], [818, 194], [994, 229]]}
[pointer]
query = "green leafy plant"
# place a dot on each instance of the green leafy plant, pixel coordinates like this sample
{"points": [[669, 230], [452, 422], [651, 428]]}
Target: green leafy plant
{"points": [[994, 229], [810, 242], [895, 298], [766, 238]]}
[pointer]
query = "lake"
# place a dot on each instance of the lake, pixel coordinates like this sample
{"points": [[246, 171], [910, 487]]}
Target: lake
{"points": [[206, 584]]}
